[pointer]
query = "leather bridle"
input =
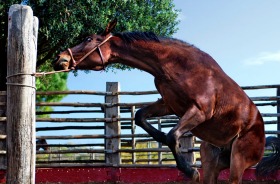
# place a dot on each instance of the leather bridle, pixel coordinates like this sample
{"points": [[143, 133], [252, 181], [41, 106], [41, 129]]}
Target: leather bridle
{"points": [[74, 63]]}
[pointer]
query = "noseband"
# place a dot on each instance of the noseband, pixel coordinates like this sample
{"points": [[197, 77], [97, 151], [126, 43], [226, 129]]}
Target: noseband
{"points": [[74, 63]]}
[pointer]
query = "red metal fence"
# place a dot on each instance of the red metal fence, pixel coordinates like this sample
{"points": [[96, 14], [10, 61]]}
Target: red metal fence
{"points": [[130, 175]]}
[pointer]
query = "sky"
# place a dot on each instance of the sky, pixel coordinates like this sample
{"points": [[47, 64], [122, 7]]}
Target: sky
{"points": [[242, 36]]}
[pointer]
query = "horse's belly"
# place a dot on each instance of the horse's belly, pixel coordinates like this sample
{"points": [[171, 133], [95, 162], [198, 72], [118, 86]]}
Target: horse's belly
{"points": [[173, 99], [216, 133]]}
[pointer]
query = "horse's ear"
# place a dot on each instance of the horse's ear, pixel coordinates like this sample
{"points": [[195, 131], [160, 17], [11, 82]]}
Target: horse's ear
{"points": [[110, 27]]}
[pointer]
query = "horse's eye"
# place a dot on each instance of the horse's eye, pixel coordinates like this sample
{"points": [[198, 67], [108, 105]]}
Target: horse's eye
{"points": [[88, 39]]}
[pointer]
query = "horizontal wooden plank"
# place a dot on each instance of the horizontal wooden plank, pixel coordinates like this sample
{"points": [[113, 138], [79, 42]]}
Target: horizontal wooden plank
{"points": [[78, 104], [102, 136], [69, 120], [93, 136], [85, 92], [164, 119], [114, 151], [265, 98], [260, 87], [3, 152]]}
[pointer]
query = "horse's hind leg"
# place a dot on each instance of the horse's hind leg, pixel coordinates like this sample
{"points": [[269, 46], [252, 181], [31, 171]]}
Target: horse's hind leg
{"points": [[247, 150], [213, 160], [154, 110]]}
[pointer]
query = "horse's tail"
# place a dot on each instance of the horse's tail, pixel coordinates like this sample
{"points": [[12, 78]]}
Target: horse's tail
{"points": [[271, 163]]}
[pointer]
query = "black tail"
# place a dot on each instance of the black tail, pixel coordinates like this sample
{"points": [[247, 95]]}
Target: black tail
{"points": [[271, 163]]}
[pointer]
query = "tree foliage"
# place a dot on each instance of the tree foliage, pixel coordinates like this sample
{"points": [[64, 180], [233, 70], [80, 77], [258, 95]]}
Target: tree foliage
{"points": [[63, 23]]}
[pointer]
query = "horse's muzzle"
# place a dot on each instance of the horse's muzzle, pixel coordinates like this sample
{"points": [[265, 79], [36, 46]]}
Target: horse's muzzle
{"points": [[60, 64]]}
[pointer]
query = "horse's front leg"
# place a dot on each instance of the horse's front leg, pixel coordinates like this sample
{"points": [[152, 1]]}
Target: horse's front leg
{"points": [[191, 119], [154, 110]]}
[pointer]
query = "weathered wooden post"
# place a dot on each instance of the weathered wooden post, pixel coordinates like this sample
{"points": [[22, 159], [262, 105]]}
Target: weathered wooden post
{"points": [[22, 40], [3, 135], [133, 140], [112, 128], [278, 110], [187, 142], [159, 144]]}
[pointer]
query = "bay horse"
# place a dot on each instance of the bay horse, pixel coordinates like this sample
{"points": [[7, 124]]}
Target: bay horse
{"points": [[194, 87]]}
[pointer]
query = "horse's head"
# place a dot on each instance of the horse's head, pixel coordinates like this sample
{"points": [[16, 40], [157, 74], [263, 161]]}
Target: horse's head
{"points": [[93, 53]]}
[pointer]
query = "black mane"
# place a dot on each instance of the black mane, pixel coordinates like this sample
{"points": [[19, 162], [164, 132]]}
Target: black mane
{"points": [[130, 37]]}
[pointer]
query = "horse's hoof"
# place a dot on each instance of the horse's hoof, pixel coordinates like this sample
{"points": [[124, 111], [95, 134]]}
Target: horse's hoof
{"points": [[196, 176]]}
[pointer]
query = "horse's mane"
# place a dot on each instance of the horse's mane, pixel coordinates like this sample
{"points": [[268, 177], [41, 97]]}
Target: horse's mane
{"points": [[130, 37]]}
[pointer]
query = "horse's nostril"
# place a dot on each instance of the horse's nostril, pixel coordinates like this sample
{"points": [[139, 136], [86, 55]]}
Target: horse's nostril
{"points": [[57, 58]]}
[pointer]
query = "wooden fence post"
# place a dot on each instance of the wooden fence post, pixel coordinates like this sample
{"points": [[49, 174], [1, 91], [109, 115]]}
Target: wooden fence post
{"points": [[112, 128], [188, 143], [278, 111], [22, 51], [3, 125]]}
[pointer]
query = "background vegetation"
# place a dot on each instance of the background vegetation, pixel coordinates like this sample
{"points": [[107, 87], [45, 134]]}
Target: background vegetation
{"points": [[64, 23]]}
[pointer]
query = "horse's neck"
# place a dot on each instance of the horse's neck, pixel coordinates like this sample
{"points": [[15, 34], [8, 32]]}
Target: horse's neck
{"points": [[137, 57]]}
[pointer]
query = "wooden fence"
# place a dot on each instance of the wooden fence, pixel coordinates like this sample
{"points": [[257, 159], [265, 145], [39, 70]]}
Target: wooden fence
{"points": [[119, 145], [114, 140]]}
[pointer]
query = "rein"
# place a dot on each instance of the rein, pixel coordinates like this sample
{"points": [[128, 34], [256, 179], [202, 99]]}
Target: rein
{"points": [[74, 63]]}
